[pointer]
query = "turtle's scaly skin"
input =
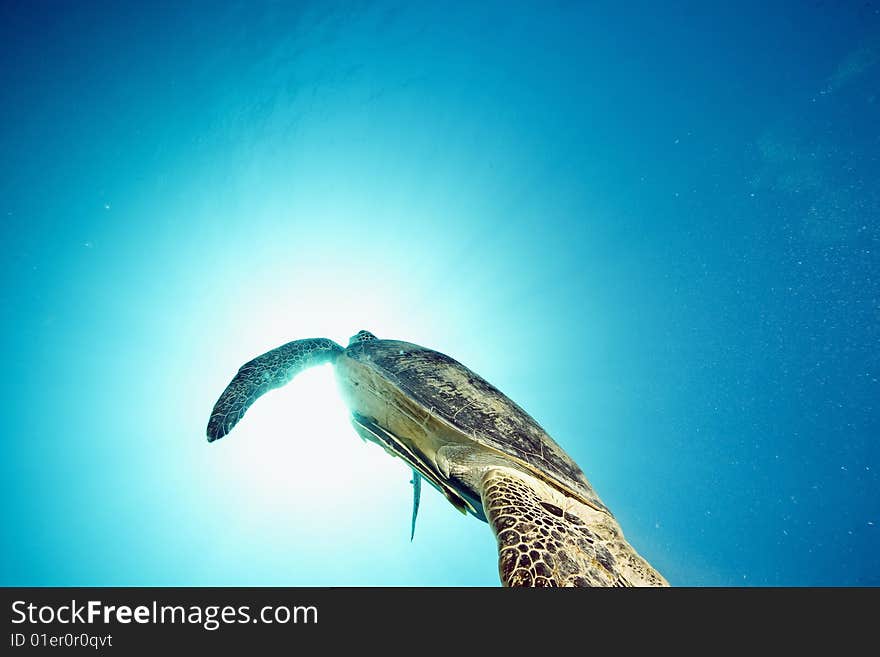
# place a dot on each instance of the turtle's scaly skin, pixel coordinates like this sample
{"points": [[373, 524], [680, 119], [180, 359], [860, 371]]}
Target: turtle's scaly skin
{"points": [[542, 544], [271, 370], [546, 537]]}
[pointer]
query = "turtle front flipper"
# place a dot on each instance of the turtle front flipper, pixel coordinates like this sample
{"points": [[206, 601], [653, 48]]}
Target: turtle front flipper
{"points": [[546, 538], [271, 370]]}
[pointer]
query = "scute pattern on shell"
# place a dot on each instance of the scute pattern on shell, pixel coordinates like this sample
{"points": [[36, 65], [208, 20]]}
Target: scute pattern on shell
{"points": [[475, 407]]}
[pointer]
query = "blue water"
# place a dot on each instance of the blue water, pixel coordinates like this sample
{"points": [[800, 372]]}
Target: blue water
{"points": [[656, 226]]}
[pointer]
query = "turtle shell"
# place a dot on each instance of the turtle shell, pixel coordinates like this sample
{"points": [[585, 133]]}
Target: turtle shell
{"points": [[476, 408]]}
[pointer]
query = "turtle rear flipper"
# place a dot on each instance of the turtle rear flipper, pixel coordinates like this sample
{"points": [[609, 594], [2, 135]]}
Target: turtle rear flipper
{"points": [[417, 495], [264, 373], [548, 539]]}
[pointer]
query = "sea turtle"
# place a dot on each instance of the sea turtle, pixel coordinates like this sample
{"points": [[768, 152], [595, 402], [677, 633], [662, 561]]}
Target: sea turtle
{"points": [[473, 444]]}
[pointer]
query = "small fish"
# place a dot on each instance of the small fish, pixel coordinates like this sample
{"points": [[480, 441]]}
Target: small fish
{"points": [[417, 494]]}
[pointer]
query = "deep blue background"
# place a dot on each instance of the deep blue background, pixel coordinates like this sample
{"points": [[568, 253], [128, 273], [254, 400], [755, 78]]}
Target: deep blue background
{"points": [[654, 225]]}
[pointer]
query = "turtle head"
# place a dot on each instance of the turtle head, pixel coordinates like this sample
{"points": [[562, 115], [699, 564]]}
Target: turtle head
{"points": [[361, 336]]}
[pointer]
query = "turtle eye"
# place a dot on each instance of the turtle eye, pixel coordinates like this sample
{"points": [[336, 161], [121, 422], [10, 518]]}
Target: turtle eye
{"points": [[361, 336]]}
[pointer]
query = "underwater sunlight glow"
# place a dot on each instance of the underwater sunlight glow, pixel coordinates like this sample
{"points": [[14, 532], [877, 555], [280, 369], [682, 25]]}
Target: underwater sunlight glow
{"points": [[653, 226]]}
